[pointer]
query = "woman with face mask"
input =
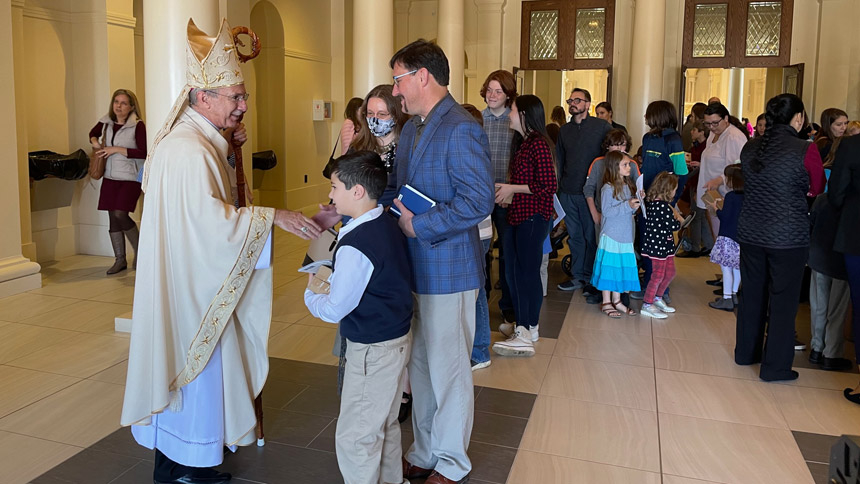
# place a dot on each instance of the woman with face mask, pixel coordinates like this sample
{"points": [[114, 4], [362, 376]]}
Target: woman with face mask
{"points": [[381, 118]]}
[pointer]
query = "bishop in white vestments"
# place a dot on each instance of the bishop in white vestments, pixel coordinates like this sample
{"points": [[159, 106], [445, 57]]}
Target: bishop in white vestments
{"points": [[203, 292]]}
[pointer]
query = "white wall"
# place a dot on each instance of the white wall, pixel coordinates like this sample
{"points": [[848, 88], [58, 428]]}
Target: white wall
{"points": [[837, 76]]}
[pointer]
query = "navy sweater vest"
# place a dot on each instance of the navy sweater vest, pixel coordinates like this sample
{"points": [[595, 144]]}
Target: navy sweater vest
{"points": [[385, 310]]}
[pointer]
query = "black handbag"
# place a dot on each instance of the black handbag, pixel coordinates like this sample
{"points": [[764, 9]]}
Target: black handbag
{"points": [[327, 170]]}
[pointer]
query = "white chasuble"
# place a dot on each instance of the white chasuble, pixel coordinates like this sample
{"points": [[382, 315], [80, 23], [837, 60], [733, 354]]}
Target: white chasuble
{"points": [[196, 287]]}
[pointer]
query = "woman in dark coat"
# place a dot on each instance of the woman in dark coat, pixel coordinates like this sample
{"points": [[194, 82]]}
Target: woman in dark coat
{"points": [[844, 195], [779, 170]]}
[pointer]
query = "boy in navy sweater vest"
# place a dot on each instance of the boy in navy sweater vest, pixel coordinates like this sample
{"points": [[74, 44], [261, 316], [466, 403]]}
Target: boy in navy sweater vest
{"points": [[370, 294]]}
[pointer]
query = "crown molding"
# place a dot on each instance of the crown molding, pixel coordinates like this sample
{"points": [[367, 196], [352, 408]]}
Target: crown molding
{"points": [[46, 14], [297, 54], [490, 6], [111, 18], [121, 20]]}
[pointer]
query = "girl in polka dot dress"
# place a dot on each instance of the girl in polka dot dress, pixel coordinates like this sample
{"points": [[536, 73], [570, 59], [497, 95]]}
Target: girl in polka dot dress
{"points": [[661, 221]]}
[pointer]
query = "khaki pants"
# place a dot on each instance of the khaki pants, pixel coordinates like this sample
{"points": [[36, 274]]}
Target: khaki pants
{"points": [[368, 433], [828, 305], [443, 398]]}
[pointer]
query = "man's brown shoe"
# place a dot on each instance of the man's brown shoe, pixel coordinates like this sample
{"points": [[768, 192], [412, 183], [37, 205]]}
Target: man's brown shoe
{"points": [[414, 472], [436, 478]]}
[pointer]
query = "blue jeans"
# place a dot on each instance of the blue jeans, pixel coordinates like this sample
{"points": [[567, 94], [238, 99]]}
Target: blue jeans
{"points": [[481, 345], [524, 248], [500, 220], [582, 241]]}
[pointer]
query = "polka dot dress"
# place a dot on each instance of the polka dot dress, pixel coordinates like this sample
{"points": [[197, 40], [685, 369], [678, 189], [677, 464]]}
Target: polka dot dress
{"points": [[660, 226]]}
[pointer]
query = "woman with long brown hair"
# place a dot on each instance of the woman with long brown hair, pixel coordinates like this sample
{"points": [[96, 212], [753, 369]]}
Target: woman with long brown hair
{"points": [[834, 121], [380, 119], [120, 137], [533, 182]]}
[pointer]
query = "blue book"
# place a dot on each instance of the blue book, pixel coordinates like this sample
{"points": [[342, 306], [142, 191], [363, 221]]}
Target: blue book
{"points": [[414, 200]]}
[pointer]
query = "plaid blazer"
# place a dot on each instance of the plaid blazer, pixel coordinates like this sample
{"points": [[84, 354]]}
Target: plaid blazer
{"points": [[450, 164]]}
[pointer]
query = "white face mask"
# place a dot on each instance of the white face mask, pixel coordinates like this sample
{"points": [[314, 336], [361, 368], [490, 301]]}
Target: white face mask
{"points": [[380, 127]]}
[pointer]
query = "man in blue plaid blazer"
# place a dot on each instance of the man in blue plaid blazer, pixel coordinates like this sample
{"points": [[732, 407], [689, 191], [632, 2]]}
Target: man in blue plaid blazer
{"points": [[444, 154]]}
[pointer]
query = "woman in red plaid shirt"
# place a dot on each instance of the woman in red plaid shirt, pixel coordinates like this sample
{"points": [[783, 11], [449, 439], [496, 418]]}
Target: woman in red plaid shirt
{"points": [[533, 182]]}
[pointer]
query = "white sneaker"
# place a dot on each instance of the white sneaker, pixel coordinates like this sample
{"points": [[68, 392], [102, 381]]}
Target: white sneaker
{"points": [[652, 311], [662, 306], [534, 331], [481, 365], [520, 344], [507, 330]]}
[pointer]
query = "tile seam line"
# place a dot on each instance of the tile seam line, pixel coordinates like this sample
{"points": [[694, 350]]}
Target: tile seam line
{"points": [[656, 400], [592, 461], [82, 378], [50, 440], [319, 433], [40, 399]]}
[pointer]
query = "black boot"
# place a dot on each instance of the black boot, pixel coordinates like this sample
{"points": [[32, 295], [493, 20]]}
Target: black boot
{"points": [[117, 240]]}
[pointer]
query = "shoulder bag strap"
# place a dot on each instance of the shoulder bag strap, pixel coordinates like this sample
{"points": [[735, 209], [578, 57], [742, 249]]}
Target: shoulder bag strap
{"points": [[333, 150]]}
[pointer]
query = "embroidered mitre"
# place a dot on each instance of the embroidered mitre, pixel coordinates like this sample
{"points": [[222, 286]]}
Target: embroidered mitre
{"points": [[211, 62]]}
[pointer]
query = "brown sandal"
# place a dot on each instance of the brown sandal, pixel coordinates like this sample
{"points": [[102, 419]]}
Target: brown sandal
{"points": [[610, 310], [629, 311]]}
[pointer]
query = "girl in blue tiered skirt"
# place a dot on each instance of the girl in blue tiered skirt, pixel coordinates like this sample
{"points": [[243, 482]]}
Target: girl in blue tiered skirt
{"points": [[615, 269]]}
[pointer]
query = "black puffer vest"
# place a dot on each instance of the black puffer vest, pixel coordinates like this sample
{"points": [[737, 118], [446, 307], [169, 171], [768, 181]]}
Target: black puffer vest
{"points": [[775, 213]]}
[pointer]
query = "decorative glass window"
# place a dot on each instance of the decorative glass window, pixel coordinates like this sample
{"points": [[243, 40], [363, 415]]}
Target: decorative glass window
{"points": [[709, 30], [543, 35], [590, 28], [763, 22]]}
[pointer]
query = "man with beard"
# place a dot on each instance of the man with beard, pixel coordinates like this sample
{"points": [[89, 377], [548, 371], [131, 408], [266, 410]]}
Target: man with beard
{"points": [[579, 143]]}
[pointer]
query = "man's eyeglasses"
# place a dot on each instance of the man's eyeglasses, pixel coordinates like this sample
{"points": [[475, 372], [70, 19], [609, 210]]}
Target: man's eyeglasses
{"points": [[398, 77], [577, 101], [237, 98]]}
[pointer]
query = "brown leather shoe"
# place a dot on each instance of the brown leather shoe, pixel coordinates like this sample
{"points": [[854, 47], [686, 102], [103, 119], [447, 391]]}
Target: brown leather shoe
{"points": [[436, 478], [414, 472]]}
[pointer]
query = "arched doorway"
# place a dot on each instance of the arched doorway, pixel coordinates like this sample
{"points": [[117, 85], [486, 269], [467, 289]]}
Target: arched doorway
{"points": [[270, 102]]}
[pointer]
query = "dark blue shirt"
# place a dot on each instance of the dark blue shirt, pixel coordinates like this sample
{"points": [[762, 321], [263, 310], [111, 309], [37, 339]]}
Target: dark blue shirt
{"points": [[729, 214], [663, 152]]}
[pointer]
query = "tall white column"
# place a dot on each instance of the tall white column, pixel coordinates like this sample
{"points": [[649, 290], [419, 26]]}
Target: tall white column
{"points": [[451, 26], [489, 49], [646, 67], [735, 103], [28, 248], [164, 40], [17, 273], [372, 44]]}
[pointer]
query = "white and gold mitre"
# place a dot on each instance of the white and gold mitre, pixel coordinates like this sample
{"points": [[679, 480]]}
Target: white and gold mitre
{"points": [[212, 62]]}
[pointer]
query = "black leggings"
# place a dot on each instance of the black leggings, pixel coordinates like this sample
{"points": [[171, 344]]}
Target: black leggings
{"points": [[120, 221]]}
